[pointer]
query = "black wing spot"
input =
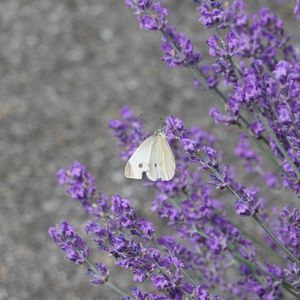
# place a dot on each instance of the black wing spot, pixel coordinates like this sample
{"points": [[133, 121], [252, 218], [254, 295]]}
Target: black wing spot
{"points": [[155, 165], [140, 165]]}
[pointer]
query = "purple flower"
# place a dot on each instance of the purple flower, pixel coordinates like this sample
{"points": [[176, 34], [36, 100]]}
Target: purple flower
{"points": [[210, 13], [146, 227], [216, 242], [139, 275], [281, 69], [287, 229], [243, 151], [242, 208], [151, 16], [201, 293], [143, 4], [257, 128], [270, 180], [147, 22], [173, 124], [161, 15], [98, 276], [297, 9], [284, 113], [188, 145], [213, 47], [250, 204], [219, 118], [139, 295], [159, 282], [232, 40], [255, 75], [70, 242], [210, 74], [292, 273], [128, 131], [177, 49], [80, 184]]}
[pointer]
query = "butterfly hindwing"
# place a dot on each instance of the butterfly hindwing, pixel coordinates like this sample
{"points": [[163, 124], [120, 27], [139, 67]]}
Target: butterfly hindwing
{"points": [[162, 162], [169, 161]]}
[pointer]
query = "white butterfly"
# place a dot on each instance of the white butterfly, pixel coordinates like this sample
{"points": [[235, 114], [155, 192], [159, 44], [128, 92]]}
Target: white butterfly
{"points": [[153, 156]]}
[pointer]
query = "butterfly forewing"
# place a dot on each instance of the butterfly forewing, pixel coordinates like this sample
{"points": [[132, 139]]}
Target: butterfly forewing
{"points": [[139, 161], [162, 162]]}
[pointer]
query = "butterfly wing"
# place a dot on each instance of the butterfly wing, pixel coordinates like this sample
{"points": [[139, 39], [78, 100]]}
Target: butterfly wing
{"points": [[162, 161], [139, 160]]}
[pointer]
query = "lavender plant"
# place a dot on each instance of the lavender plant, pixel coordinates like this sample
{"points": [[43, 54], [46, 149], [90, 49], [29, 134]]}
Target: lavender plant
{"points": [[205, 254]]}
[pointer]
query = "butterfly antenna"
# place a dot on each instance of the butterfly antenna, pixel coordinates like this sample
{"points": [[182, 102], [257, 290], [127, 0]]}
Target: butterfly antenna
{"points": [[146, 122], [142, 116]]}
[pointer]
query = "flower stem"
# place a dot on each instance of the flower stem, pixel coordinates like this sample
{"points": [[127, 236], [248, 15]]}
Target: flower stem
{"points": [[188, 277], [255, 269], [254, 216], [276, 140], [199, 77], [242, 123], [241, 260], [116, 289], [275, 240], [232, 249], [107, 283]]}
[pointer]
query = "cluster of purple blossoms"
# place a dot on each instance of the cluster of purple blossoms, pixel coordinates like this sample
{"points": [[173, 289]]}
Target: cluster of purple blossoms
{"points": [[205, 252], [246, 48], [204, 241], [129, 133], [287, 229], [186, 203], [81, 185], [252, 162], [156, 20], [244, 151], [263, 84], [207, 157], [65, 236], [118, 231], [177, 48], [210, 13]]}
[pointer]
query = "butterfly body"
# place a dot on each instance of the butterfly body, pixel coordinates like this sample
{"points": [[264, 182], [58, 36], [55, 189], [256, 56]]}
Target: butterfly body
{"points": [[153, 156]]}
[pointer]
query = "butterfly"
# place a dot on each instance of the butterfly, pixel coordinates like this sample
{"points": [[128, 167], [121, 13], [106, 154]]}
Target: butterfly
{"points": [[153, 156]]}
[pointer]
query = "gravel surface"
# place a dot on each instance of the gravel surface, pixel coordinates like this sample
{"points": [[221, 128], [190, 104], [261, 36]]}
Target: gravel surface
{"points": [[66, 68]]}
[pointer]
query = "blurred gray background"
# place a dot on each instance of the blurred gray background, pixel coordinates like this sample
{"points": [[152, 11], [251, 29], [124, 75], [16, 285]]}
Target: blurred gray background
{"points": [[66, 68]]}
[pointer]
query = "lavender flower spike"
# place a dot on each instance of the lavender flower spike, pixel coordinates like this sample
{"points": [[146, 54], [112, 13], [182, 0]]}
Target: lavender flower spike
{"points": [[70, 242]]}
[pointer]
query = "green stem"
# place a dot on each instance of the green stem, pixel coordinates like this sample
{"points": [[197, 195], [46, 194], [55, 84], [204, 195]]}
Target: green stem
{"points": [[232, 247], [255, 216], [275, 240], [254, 268], [290, 289], [251, 237], [107, 283], [238, 75], [199, 77], [222, 102], [188, 277], [116, 289], [276, 140], [242, 123], [266, 153]]}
